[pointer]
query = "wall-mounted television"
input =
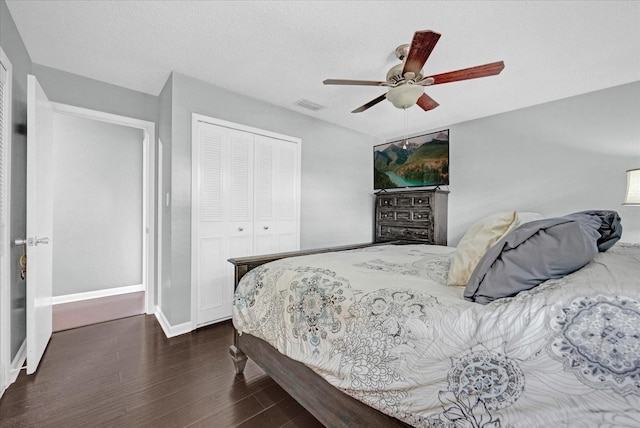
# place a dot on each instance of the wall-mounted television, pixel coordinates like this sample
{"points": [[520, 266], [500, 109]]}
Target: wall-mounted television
{"points": [[417, 161]]}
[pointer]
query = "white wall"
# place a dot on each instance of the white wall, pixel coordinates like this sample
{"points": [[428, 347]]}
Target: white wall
{"points": [[555, 158], [98, 195]]}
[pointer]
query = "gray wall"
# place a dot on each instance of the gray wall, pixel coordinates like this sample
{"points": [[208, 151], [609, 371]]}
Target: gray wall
{"points": [[336, 203], [554, 158], [80, 91], [15, 50], [97, 205]]}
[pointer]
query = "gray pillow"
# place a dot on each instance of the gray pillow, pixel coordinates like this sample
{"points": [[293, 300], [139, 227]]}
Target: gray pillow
{"points": [[610, 229], [531, 254]]}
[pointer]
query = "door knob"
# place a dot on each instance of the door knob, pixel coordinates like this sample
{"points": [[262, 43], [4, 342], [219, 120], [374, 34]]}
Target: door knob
{"points": [[31, 241]]}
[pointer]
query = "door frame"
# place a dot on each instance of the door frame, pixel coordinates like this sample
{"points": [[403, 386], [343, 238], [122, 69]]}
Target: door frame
{"points": [[7, 374], [148, 186]]}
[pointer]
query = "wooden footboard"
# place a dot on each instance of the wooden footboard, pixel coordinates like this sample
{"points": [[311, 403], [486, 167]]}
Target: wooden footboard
{"points": [[326, 403], [329, 405]]}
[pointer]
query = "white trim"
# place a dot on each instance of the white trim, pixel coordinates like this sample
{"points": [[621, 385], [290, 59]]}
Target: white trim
{"points": [[195, 207], [149, 222], [6, 378], [77, 297], [239, 127], [159, 210], [171, 330]]}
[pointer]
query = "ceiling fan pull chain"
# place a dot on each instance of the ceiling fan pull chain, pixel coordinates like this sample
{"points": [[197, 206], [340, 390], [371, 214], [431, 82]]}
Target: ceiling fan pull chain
{"points": [[406, 128]]}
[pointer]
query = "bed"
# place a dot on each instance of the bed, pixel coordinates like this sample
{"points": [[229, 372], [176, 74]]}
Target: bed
{"points": [[376, 335]]}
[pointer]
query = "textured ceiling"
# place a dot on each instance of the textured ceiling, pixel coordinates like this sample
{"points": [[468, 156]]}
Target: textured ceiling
{"points": [[281, 51]]}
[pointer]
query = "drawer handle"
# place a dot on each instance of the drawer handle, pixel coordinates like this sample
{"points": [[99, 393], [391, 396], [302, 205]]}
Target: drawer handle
{"points": [[241, 229]]}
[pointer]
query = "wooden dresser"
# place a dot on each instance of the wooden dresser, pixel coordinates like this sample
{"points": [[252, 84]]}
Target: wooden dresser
{"points": [[412, 215]]}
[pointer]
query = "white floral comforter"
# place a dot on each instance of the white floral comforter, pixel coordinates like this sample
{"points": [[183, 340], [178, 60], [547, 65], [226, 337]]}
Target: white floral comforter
{"points": [[380, 324]]}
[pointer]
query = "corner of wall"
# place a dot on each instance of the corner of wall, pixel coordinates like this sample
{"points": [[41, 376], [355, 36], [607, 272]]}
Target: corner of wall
{"points": [[171, 330]]}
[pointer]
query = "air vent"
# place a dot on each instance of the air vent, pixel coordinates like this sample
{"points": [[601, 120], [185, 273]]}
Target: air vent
{"points": [[309, 105]]}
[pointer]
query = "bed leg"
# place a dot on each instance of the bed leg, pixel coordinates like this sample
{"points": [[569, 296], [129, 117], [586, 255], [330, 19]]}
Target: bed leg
{"points": [[239, 359]]}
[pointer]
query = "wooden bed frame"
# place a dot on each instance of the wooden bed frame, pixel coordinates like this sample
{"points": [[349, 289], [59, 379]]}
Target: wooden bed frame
{"points": [[326, 403]]}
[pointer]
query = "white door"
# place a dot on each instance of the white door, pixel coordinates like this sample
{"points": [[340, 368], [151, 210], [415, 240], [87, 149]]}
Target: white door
{"points": [[223, 210], [287, 176], [39, 222], [276, 200]]}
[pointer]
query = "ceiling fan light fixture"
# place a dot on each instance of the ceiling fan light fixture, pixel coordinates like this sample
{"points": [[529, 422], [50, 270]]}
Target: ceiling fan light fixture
{"points": [[405, 96]]}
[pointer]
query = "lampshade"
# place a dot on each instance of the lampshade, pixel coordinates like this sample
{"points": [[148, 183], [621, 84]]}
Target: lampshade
{"points": [[633, 187], [405, 96]]}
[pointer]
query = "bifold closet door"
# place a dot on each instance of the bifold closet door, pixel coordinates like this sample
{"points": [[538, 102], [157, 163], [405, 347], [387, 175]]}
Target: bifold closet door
{"points": [[245, 190], [275, 195], [224, 215]]}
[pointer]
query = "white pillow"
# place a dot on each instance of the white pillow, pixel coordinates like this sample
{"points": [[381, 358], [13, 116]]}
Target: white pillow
{"points": [[527, 216], [481, 236]]}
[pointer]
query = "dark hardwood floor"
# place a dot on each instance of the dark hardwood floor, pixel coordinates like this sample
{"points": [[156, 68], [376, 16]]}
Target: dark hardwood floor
{"points": [[126, 373]]}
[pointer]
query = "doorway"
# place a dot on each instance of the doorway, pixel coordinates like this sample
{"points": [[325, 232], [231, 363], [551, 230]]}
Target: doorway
{"points": [[104, 221]]}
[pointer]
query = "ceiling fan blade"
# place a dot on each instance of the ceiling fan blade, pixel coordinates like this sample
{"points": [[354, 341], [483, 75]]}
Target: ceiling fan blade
{"points": [[354, 82], [421, 46], [469, 73], [370, 103], [426, 102]]}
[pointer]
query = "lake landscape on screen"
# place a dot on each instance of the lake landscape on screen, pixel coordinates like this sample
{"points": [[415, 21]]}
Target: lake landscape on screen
{"points": [[413, 162]]}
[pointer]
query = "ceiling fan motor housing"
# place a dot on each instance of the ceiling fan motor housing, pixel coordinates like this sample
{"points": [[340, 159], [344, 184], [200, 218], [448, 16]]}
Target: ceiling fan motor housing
{"points": [[395, 76]]}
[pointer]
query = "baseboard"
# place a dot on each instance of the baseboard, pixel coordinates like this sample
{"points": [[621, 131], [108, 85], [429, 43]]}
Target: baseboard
{"points": [[171, 330], [78, 313], [78, 297]]}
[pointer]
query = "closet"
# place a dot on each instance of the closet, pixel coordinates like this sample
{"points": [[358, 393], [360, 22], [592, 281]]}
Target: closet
{"points": [[245, 201]]}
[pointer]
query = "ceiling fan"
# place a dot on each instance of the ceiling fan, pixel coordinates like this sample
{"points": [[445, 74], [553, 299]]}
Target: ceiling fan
{"points": [[406, 80]]}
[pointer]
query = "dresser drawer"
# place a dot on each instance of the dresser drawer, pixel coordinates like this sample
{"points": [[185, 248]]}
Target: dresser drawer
{"points": [[419, 216], [411, 200], [410, 233]]}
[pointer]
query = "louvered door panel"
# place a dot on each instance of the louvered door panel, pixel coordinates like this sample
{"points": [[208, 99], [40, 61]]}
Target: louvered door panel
{"points": [[264, 185], [211, 170], [241, 176], [211, 273]]}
